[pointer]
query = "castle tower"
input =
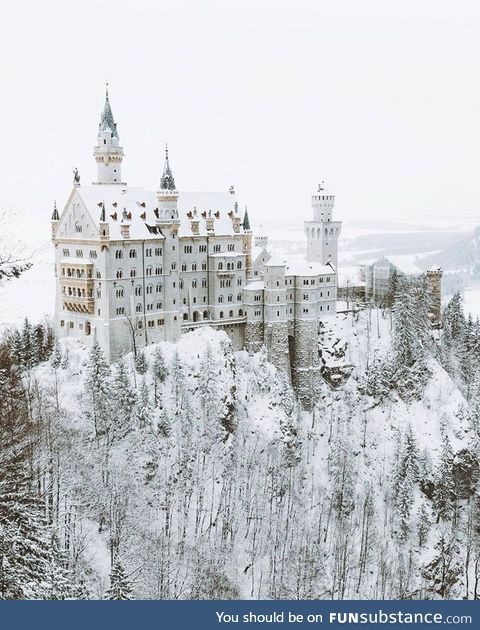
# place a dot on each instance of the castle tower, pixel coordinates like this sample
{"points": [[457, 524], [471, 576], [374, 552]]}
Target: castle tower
{"points": [[434, 282], [275, 315], [108, 152], [169, 224], [322, 233]]}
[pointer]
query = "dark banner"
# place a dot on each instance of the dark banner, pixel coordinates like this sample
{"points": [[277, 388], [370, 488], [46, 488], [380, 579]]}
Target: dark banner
{"points": [[225, 615]]}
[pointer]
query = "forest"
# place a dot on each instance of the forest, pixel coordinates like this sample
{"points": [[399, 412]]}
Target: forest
{"points": [[190, 471]]}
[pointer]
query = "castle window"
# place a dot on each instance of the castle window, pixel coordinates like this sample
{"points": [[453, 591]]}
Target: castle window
{"points": [[158, 271], [66, 252], [119, 273], [257, 297], [174, 266], [217, 248], [174, 318], [204, 298], [184, 301], [159, 306], [240, 313], [133, 273], [305, 296], [187, 249], [148, 252], [180, 284], [328, 307], [321, 280], [138, 290], [78, 228], [221, 314], [239, 297], [239, 282], [194, 300], [194, 284], [239, 264], [204, 266], [205, 314], [230, 314], [204, 282], [185, 317], [305, 310], [328, 293], [158, 251], [160, 322], [230, 298], [220, 266], [79, 253], [99, 275], [62, 323], [321, 308], [149, 271], [159, 288], [278, 298], [220, 299], [231, 247], [149, 307], [71, 324], [328, 279], [278, 313], [121, 310], [138, 308], [202, 249], [132, 253], [93, 253], [184, 267], [194, 267], [150, 289], [119, 293], [257, 313]]}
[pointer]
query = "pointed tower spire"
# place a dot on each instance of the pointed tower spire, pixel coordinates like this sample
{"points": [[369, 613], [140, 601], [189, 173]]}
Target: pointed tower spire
{"points": [[246, 221], [106, 119], [55, 215], [167, 182]]}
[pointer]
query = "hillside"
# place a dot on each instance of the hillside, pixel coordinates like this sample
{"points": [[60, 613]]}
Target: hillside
{"points": [[464, 255], [206, 480]]}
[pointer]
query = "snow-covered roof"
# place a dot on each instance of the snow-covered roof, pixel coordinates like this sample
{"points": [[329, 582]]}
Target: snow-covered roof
{"points": [[257, 285], [275, 261], [258, 251], [138, 201], [304, 268], [403, 263]]}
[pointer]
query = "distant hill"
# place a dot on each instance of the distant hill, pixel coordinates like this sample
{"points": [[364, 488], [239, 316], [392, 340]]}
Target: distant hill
{"points": [[463, 255]]}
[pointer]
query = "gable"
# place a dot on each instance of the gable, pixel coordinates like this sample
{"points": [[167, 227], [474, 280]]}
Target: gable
{"points": [[76, 221]]}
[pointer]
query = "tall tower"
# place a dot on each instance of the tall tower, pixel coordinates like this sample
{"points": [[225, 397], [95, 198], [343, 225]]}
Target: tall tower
{"points": [[108, 152], [169, 224], [322, 233]]}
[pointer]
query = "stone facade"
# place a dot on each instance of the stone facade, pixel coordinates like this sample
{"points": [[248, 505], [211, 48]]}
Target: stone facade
{"points": [[135, 267]]}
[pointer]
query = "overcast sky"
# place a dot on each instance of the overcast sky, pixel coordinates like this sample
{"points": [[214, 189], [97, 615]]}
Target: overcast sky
{"points": [[380, 99]]}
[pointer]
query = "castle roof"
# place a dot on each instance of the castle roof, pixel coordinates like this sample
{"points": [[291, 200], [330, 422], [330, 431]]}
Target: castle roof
{"points": [[304, 268], [106, 119], [140, 206]]}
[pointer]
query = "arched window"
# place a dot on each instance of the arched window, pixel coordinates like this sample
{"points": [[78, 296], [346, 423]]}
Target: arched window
{"points": [[185, 317], [220, 266], [133, 273], [119, 273], [88, 328], [138, 290], [132, 253], [221, 314], [159, 288], [205, 314], [239, 264], [230, 314], [240, 313]]}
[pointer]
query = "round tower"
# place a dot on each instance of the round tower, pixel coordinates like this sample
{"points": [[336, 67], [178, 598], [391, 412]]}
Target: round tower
{"points": [[322, 233]]}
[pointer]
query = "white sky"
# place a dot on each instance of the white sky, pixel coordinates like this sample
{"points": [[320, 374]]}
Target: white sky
{"points": [[380, 99]]}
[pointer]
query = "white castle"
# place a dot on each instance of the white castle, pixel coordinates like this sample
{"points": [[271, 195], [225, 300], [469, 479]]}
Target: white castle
{"points": [[135, 267]]}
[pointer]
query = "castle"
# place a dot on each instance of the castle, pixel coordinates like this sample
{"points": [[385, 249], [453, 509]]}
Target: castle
{"points": [[135, 267]]}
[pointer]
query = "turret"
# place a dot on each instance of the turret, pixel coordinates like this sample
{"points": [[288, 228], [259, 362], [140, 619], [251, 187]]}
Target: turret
{"points": [[55, 219], [167, 194], [108, 152]]}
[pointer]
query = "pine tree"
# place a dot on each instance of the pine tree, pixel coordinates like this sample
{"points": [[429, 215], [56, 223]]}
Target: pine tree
{"points": [[141, 363], [120, 587], [405, 477], [178, 382], [423, 527], [159, 372], [124, 400], [27, 352], [98, 389], [144, 411], [56, 358]]}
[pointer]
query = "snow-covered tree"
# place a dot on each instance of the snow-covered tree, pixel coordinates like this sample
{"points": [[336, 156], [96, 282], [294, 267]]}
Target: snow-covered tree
{"points": [[120, 586]]}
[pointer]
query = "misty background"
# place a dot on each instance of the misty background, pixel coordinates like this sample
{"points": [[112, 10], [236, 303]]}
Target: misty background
{"points": [[380, 100]]}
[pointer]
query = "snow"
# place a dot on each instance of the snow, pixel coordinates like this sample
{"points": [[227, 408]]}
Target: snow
{"points": [[258, 285]]}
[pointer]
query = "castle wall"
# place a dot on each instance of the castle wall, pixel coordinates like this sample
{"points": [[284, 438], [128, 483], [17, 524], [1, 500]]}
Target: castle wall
{"points": [[306, 375]]}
